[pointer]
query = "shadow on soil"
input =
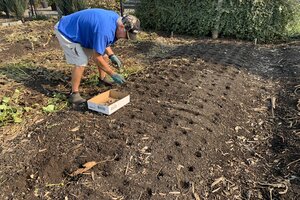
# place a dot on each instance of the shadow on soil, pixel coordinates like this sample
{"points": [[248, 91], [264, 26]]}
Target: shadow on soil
{"points": [[40, 79]]}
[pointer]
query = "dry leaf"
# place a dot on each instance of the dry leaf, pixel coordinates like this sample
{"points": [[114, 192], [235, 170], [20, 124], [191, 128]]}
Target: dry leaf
{"points": [[87, 166]]}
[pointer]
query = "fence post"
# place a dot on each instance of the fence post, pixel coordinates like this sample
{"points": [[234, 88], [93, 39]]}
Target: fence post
{"points": [[121, 8]]}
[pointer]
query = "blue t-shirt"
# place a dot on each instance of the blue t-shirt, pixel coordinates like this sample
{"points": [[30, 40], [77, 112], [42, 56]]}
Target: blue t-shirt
{"points": [[92, 28]]}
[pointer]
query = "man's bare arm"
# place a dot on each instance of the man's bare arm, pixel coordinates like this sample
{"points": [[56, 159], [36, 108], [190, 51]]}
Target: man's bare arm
{"points": [[109, 51], [100, 61]]}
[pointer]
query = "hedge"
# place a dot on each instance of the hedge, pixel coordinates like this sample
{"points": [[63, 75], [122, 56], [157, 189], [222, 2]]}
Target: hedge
{"points": [[264, 20]]}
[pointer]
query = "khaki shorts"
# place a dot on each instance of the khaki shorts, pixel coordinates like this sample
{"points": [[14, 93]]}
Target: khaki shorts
{"points": [[75, 54]]}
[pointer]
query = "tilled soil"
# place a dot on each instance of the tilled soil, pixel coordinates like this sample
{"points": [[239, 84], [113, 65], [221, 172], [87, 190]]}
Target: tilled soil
{"points": [[200, 125]]}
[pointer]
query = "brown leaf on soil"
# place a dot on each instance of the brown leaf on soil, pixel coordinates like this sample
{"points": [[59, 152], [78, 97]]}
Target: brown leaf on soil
{"points": [[87, 166]]}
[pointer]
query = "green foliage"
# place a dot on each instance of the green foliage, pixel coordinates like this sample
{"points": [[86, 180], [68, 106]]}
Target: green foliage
{"points": [[265, 20], [56, 103], [294, 25], [70, 6], [10, 110], [50, 2], [15, 6], [4, 7], [92, 80]]}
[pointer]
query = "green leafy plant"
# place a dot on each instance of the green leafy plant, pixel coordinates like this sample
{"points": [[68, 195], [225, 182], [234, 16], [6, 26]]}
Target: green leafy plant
{"points": [[92, 80], [10, 110], [56, 103]]}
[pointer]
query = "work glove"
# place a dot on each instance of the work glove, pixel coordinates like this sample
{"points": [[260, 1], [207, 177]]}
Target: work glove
{"points": [[115, 60], [118, 78]]}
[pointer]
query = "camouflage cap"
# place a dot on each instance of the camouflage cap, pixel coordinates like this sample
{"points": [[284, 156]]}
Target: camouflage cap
{"points": [[132, 26]]}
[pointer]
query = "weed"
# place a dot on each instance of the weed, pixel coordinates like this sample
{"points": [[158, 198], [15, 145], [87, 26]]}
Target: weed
{"points": [[10, 110], [127, 71], [92, 80], [56, 103]]}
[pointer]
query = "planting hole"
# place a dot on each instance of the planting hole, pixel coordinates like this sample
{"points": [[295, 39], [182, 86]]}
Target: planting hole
{"points": [[191, 168], [198, 154], [149, 191], [177, 144], [169, 157], [184, 184]]}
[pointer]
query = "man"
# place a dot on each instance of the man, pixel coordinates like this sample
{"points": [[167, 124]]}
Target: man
{"points": [[89, 33]]}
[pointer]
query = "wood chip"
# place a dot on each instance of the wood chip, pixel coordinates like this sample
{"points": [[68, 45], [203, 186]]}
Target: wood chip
{"points": [[42, 150], [196, 196], [217, 181], [175, 193], [87, 166], [261, 109], [75, 129], [93, 176]]}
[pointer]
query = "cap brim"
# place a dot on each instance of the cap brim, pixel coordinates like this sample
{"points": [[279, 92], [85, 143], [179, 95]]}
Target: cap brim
{"points": [[131, 36]]}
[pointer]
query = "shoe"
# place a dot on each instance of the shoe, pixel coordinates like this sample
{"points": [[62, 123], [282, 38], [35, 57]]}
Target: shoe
{"points": [[107, 81], [75, 98]]}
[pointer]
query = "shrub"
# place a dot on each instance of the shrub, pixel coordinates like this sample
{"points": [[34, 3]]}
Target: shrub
{"points": [[70, 6], [15, 6], [107, 4]]}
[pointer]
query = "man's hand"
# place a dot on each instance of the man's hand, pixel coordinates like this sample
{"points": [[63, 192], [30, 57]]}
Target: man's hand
{"points": [[118, 78], [115, 60]]}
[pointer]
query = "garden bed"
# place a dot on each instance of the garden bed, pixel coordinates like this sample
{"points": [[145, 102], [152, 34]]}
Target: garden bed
{"points": [[207, 119]]}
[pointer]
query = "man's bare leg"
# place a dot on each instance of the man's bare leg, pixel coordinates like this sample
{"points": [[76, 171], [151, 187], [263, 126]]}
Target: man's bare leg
{"points": [[77, 73]]}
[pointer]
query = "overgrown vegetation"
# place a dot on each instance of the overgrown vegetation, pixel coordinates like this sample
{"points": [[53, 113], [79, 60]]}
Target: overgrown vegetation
{"points": [[17, 7], [264, 20]]}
